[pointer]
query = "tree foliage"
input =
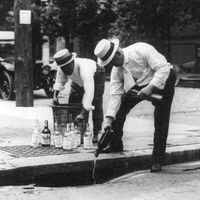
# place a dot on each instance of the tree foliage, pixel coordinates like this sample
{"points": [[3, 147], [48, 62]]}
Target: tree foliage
{"points": [[6, 14], [153, 19], [87, 18], [130, 20], [51, 23]]}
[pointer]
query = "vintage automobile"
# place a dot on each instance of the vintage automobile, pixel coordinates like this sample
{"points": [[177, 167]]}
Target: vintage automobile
{"points": [[188, 72], [43, 78], [43, 75]]}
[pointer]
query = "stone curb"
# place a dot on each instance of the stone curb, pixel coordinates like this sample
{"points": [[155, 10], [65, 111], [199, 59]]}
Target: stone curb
{"points": [[116, 163]]}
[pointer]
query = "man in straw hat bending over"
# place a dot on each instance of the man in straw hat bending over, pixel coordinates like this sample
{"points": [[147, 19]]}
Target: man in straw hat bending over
{"points": [[139, 66], [90, 77]]}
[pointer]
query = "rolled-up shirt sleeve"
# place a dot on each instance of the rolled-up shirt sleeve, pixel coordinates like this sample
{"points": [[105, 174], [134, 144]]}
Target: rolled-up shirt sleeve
{"points": [[87, 72], [160, 65], [116, 92], [61, 80], [88, 84]]}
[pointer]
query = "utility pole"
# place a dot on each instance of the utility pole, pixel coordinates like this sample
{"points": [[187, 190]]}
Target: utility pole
{"points": [[23, 54]]}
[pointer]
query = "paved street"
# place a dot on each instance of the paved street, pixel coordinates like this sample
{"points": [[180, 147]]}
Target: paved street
{"points": [[176, 182], [185, 110], [41, 157], [185, 107]]}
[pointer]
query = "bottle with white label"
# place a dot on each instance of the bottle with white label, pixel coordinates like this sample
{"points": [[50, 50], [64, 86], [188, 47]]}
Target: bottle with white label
{"points": [[46, 135], [74, 139], [67, 138], [36, 135], [57, 137], [78, 135], [87, 138]]}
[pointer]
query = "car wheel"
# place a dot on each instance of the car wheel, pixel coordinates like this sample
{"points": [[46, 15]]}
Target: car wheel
{"points": [[6, 86]]}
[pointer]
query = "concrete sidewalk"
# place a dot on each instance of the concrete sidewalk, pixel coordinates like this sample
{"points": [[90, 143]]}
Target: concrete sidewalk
{"points": [[20, 164]]}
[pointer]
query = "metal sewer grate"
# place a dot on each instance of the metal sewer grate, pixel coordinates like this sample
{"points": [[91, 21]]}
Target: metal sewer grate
{"points": [[28, 151]]}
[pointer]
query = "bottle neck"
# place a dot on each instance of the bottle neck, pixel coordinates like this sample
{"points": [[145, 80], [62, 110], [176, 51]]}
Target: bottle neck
{"points": [[72, 126], [68, 127], [88, 127], [36, 124], [36, 127], [46, 124], [56, 127]]}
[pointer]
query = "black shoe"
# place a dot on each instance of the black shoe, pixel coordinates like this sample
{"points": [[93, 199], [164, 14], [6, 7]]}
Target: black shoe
{"points": [[156, 167], [112, 149]]}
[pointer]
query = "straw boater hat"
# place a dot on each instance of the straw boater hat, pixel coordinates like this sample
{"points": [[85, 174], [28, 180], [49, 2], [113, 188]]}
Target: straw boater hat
{"points": [[64, 57], [105, 51]]}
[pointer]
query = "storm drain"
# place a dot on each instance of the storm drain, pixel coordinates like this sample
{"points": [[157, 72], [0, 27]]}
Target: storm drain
{"points": [[28, 151]]}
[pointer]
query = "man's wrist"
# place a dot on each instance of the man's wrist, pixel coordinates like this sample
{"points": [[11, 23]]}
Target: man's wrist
{"points": [[110, 119], [84, 111]]}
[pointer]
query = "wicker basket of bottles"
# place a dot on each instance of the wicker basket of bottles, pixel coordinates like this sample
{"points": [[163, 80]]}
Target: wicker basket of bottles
{"points": [[65, 113]]}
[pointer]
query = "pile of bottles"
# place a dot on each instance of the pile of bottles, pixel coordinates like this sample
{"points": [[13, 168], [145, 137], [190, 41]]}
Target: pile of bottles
{"points": [[70, 138]]}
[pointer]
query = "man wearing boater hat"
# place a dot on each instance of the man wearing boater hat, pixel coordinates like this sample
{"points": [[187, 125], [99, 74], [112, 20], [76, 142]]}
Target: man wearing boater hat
{"points": [[142, 67], [89, 77]]}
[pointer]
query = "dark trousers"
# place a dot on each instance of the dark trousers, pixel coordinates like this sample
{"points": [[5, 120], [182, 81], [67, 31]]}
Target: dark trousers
{"points": [[76, 96], [161, 116]]}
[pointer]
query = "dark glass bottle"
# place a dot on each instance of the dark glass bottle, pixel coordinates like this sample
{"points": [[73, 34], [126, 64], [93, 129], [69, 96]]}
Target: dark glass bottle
{"points": [[46, 135], [152, 97], [104, 141]]}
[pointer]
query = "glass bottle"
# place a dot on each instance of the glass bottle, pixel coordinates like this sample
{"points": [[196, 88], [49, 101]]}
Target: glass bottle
{"points": [[67, 138], [82, 127], [46, 135], [57, 137], [36, 135], [87, 138], [78, 135], [74, 139]]}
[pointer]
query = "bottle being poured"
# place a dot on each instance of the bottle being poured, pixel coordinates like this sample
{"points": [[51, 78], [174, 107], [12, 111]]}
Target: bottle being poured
{"points": [[104, 141]]}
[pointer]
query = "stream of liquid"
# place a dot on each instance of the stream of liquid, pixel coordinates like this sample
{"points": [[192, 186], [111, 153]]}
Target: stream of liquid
{"points": [[93, 172]]}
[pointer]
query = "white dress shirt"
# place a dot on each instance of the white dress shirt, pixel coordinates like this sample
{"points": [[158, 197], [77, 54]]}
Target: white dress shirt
{"points": [[83, 75], [143, 64]]}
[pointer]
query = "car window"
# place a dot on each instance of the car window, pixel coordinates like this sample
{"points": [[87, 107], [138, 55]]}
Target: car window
{"points": [[6, 50], [6, 44]]}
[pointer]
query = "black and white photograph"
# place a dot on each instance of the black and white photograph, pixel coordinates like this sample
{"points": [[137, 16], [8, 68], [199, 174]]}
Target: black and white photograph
{"points": [[99, 99]]}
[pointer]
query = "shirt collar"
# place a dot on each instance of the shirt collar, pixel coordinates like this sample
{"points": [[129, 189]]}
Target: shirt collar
{"points": [[125, 56]]}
